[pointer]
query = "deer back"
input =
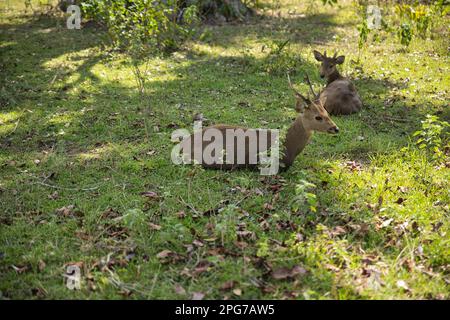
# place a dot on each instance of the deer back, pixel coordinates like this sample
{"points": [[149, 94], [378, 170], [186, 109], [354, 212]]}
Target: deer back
{"points": [[341, 97]]}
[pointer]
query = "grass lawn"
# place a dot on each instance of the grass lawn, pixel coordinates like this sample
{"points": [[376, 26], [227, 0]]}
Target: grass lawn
{"points": [[79, 146]]}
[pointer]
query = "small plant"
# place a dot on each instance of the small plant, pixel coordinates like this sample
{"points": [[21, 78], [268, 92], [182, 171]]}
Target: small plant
{"points": [[329, 2], [434, 136], [405, 34], [279, 59], [159, 25], [363, 35], [263, 249], [302, 196]]}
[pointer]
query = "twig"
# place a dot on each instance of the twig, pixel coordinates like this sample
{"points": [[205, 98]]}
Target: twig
{"points": [[395, 119], [188, 205], [15, 128], [42, 183]]}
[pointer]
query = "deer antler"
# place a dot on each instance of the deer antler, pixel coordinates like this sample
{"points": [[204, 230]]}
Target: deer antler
{"points": [[325, 53], [298, 94], [310, 85], [335, 54]]}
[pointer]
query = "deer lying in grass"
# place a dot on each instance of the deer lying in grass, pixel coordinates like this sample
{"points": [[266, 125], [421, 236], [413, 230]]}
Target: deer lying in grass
{"points": [[341, 95], [312, 117]]}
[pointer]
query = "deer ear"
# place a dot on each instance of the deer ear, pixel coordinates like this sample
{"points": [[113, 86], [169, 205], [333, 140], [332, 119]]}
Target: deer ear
{"points": [[302, 103], [318, 55], [340, 59]]}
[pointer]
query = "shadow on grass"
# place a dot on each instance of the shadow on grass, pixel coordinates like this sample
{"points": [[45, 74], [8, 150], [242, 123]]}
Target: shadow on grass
{"points": [[226, 89]]}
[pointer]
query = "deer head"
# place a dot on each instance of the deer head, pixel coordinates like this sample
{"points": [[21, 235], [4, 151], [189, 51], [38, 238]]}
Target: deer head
{"points": [[312, 113], [328, 66]]}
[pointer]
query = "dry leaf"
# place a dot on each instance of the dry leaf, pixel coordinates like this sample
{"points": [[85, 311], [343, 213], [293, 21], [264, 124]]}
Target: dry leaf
{"points": [[237, 291], [284, 273], [150, 195], [41, 265], [228, 285], [198, 296], [154, 226], [179, 290], [402, 285]]}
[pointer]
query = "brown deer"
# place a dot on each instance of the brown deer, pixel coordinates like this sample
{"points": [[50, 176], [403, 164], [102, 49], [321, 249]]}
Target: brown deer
{"points": [[341, 95], [312, 117]]}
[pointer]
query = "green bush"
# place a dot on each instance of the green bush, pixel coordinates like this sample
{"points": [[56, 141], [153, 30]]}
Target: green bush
{"points": [[154, 25]]}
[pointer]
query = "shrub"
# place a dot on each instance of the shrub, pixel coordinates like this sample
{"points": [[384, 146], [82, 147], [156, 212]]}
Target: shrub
{"points": [[155, 25]]}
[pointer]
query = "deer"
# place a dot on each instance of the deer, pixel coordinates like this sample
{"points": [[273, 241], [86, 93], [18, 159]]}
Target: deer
{"points": [[340, 93], [312, 116]]}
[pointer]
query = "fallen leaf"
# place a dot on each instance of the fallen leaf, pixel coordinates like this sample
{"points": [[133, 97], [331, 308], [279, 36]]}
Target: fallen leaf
{"points": [[54, 195], [228, 285], [150, 194], [202, 266], [41, 265], [181, 214], [241, 244], [386, 223], [21, 268], [167, 256], [332, 268], [284, 273], [297, 270], [179, 290], [197, 243], [154, 226], [66, 211], [198, 296], [337, 231], [353, 166], [245, 234], [299, 237], [281, 273], [164, 254], [402, 285], [237, 292]]}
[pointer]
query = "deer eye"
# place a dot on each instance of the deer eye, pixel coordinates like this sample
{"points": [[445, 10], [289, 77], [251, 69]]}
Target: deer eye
{"points": [[319, 118]]}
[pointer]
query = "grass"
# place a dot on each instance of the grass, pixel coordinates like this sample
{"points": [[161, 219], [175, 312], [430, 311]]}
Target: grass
{"points": [[78, 146]]}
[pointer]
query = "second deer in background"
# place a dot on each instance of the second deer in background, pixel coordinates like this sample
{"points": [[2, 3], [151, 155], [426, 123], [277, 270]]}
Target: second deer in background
{"points": [[341, 95]]}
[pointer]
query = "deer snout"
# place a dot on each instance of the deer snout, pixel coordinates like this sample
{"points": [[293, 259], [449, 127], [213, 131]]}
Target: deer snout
{"points": [[322, 75], [334, 129]]}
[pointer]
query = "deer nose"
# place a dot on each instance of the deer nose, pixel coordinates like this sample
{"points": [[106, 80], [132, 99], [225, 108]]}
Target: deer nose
{"points": [[322, 76], [334, 129]]}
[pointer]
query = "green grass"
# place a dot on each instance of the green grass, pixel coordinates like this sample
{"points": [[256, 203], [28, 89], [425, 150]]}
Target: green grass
{"points": [[74, 131]]}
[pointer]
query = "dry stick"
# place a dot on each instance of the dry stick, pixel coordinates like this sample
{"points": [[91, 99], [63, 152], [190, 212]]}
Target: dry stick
{"points": [[62, 188], [15, 128], [395, 119], [188, 205]]}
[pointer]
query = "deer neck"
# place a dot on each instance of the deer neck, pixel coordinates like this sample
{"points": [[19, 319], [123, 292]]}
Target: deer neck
{"points": [[297, 137], [333, 77]]}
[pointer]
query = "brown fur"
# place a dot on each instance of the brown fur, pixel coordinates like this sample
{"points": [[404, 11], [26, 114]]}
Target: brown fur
{"points": [[312, 117], [341, 95]]}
